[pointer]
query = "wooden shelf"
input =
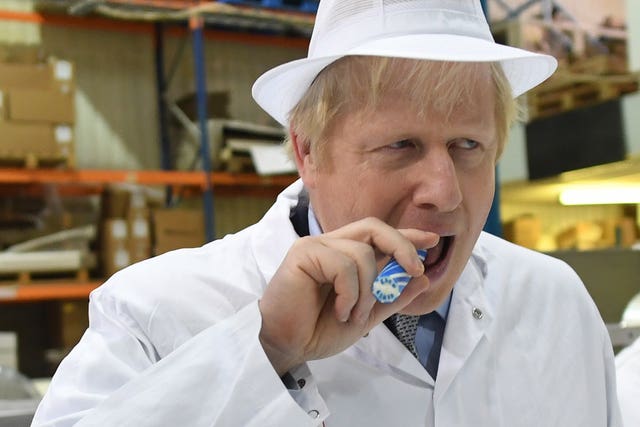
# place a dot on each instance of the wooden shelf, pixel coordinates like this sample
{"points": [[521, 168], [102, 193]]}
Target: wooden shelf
{"points": [[46, 291]]}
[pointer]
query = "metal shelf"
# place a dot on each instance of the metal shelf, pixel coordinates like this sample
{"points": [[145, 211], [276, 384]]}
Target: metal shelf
{"points": [[106, 24], [46, 291], [196, 180]]}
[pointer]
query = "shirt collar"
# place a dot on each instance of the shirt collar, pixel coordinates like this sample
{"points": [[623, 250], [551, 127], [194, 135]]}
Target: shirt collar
{"points": [[314, 226], [443, 310]]}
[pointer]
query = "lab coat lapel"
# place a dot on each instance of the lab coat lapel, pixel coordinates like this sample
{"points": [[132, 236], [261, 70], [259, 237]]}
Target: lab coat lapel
{"points": [[381, 349], [470, 314]]}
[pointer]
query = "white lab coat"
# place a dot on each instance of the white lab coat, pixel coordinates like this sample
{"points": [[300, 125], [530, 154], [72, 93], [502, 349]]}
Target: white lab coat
{"points": [[173, 341], [628, 373]]}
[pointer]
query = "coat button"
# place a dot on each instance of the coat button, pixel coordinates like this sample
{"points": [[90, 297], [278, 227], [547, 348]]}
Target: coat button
{"points": [[477, 313], [313, 413]]}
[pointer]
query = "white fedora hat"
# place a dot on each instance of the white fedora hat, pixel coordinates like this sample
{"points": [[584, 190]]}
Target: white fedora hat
{"points": [[440, 30]]}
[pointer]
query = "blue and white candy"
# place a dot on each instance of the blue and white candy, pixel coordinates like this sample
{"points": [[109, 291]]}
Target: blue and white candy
{"points": [[392, 280]]}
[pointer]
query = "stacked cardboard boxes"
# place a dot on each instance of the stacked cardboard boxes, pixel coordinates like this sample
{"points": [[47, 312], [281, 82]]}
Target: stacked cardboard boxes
{"points": [[125, 234], [9, 349], [133, 227], [524, 231], [37, 112]]}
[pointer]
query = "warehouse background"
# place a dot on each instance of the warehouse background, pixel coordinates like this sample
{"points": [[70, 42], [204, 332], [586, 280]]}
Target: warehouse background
{"points": [[115, 127]]}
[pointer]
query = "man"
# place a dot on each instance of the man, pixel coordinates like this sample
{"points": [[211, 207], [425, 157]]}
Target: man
{"points": [[396, 120]]}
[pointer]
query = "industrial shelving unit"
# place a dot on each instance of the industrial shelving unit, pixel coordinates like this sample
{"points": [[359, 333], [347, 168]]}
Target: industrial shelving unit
{"points": [[82, 177], [196, 182]]}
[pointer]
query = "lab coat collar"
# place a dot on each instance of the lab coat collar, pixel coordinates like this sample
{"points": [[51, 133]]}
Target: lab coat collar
{"points": [[274, 233], [381, 349], [470, 315]]}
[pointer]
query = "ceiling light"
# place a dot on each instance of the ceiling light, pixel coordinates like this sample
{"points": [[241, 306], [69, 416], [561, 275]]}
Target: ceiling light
{"points": [[601, 195]]}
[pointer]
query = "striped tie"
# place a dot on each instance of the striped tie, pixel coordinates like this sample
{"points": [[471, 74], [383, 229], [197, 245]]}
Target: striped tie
{"points": [[404, 327]]}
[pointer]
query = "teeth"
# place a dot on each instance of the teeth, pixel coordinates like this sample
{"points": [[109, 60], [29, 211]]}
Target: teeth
{"points": [[433, 254]]}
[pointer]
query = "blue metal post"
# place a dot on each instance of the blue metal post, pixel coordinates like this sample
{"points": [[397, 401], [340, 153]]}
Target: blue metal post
{"points": [[494, 223], [196, 24], [485, 7], [161, 87]]}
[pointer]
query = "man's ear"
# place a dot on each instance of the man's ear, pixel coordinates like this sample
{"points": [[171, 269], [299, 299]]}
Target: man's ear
{"points": [[305, 161]]}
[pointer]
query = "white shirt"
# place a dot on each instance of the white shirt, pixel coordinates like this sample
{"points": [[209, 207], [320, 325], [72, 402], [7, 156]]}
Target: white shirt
{"points": [[174, 341]]}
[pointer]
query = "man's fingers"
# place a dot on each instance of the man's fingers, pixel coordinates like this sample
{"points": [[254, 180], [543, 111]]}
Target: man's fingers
{"points": [[348, 259], [400, 244], [355, 303], [381, 311], [348, 266]]}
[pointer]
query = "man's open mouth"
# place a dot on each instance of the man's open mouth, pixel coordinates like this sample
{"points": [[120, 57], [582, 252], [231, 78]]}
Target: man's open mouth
{"points": [[438, 255]]}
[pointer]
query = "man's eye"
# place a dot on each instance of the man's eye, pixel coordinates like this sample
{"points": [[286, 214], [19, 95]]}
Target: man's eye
{"points": [[465, 144], [405, 143]]}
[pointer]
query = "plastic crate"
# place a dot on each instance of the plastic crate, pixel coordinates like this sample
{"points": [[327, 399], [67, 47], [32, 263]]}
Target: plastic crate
{"points": [[308, 6]]}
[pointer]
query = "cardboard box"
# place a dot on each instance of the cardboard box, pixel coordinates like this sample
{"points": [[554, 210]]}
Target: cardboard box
{"points": [[114, 250], [114, 203], [52, 105], [618, 232], [74, 321], [22, 53], [45, 140], [582, 236], [177, 228], [9, 349], [19, 139], [524, 231], [139, 235], [63, 136], [123, 201], [54, 74]]}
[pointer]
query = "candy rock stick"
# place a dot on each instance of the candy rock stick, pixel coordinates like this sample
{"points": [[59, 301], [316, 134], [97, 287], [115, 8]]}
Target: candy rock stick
{"points": [[392, 280]]}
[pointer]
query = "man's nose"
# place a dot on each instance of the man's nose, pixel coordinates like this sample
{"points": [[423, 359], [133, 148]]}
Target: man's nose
{"points": [[437, 181]]}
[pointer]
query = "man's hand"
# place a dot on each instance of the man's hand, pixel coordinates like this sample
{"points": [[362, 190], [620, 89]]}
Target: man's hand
{"points": [[319, 301]]}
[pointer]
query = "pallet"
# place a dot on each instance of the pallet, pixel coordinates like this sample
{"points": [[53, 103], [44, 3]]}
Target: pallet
{"points": [[565, 94], [27, 277], [35, 161], [600, 65]]}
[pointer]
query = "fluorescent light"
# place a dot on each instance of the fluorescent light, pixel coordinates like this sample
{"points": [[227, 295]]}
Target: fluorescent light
{"points": [[601, 195]]}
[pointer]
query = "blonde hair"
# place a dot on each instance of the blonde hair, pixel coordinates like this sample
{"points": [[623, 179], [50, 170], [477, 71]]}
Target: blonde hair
{"points": [[359, 82]]}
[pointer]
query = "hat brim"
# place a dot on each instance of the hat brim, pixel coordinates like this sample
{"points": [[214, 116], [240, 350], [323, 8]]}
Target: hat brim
{"points": [[278, 90]]}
